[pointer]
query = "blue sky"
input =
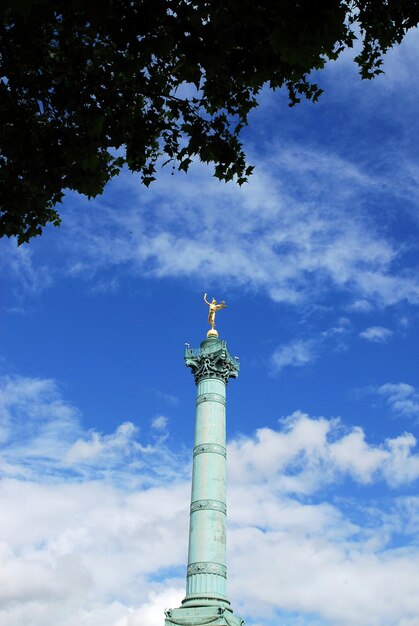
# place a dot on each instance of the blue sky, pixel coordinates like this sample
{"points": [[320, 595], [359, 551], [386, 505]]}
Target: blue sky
{"points": [[317, 258]]}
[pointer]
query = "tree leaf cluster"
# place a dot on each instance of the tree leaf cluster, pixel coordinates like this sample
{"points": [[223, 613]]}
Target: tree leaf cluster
{"points": [[88, 87]]}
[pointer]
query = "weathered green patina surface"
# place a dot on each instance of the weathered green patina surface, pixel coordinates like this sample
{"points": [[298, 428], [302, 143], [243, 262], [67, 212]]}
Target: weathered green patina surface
{"points": [[206, 599]]}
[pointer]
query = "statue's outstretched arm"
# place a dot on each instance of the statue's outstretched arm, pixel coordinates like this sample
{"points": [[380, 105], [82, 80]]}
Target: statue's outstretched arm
{"points": [[205, 299]]}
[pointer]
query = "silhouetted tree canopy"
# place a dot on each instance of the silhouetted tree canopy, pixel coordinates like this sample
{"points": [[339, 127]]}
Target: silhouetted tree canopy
{"points": [[175, 79]]}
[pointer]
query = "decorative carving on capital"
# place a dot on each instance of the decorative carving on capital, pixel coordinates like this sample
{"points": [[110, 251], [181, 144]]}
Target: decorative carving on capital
{"points": [[206, 567], [211, 505], [210, 447], [213, 360], [211, 366]]}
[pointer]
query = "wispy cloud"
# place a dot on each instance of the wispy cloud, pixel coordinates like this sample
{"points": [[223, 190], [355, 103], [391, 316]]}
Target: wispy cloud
{"points": [[27, 276], [168, 398], [295, 354], [301, 352], [377, 334], [297, 232], [361, 306], [41, 435], [159, 422], [402, 398], [291, 243]]}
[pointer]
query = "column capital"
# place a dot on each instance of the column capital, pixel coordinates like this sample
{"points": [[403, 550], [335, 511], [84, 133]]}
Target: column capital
{"points": [[212, 360]]}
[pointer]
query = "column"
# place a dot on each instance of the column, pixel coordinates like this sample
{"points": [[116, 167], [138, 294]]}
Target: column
{"points": [[206, 595], [212, 366]]}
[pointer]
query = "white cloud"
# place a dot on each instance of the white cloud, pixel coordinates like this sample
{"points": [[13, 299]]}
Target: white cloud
{"points": [[353, 455], [332, 579], [120, 441], [84, 553], [167, 397], [295, 354], [308, 454], [100, 548], [33, 410], [402, 398], [40, 399], [26, 275], [159, 422], [361, 306], [377, 334], [342, 326], [402, 466], [301, 352]]}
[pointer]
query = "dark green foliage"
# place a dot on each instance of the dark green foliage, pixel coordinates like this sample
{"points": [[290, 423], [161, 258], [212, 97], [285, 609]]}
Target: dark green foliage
{"points": [[80, 79]]}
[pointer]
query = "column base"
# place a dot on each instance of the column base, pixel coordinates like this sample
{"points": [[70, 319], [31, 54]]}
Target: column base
{"points": [[205, 599], [201, 616]]}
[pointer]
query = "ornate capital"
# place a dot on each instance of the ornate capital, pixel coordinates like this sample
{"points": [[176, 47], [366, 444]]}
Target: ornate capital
{"points": [[212, 360]]}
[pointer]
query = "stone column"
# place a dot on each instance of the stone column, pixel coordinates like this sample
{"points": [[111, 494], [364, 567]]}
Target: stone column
{"points": [[206, 595]]}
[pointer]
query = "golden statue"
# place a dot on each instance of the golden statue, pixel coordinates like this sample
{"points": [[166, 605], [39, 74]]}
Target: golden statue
{"points": [[213, 307]]}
